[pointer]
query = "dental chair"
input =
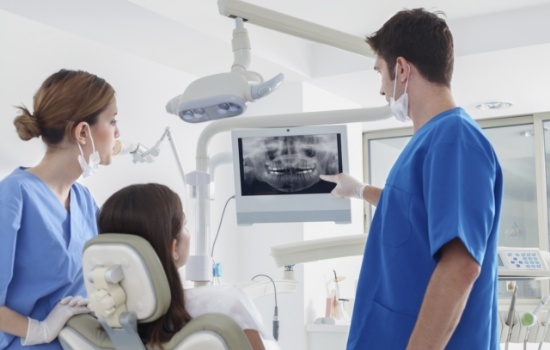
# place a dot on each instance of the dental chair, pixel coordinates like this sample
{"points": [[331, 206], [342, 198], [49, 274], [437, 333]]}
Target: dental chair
{"points": [[126, 285]]}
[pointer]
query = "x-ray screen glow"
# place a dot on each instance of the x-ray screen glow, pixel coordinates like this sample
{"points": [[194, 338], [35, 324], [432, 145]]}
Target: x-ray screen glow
{"points": [[277, 174]]}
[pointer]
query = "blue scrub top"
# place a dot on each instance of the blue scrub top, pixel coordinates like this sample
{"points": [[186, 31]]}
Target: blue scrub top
{"points": [[446, 184], [41, 247]]}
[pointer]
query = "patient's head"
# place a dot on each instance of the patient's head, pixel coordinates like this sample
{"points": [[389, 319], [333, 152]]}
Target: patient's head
{"points": [[154, 212]]}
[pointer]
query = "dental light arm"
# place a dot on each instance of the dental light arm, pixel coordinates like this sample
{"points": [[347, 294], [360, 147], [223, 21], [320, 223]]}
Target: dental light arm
{"points": [[143, 154], [224, 95], [215, 161]]}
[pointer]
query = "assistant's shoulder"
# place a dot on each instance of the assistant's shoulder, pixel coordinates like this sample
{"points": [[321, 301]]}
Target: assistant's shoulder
{"points": [[15, 182], [81, 190], [84, 196]]}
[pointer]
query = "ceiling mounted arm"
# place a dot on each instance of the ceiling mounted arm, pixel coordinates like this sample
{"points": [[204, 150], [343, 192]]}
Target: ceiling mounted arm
{"points": [[294, 26], [241, 47]]}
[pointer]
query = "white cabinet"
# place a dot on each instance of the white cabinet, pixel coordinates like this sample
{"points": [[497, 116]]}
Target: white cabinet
{"points": [[326, 337]]}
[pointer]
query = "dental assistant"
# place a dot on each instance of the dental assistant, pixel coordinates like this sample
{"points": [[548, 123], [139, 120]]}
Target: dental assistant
{"points": [[46, 216], [429, 274]]}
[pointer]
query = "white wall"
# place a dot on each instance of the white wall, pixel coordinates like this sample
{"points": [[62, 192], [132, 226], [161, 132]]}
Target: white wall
{"points": [[32, 51]]}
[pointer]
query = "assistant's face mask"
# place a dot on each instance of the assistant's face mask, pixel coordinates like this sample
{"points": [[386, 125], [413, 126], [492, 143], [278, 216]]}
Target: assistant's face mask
{"points": [[92, 165], [400, 108]]}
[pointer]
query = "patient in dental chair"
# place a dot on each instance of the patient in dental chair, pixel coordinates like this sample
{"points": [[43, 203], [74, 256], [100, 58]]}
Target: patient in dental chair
{"points": [[154, 212]]}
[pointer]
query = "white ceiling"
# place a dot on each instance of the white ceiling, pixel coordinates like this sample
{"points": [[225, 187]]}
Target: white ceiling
{"points": [[502, 46]]}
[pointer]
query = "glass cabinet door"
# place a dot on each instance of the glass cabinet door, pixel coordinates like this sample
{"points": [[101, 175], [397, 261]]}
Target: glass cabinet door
{"points": [[515, 148]]}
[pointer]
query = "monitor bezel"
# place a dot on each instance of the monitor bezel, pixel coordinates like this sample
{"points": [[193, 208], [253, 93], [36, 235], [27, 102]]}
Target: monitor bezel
{"points": [[312, 207]]}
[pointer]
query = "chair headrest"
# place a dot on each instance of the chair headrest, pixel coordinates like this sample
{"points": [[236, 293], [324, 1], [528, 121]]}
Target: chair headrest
{"points": [[144, 282]]}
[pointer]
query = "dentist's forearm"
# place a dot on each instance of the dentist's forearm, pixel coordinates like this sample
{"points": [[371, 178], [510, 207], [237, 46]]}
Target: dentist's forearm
{"points": [[372, 194], [445, 298]]}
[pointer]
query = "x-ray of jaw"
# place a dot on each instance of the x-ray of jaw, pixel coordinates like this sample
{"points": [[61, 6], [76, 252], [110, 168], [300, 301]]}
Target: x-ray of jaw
{"points": [[289, 164]]}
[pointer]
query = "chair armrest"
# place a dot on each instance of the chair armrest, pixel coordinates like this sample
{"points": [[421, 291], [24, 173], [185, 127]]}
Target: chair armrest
{"points": [[89, 329], [220, 324]]}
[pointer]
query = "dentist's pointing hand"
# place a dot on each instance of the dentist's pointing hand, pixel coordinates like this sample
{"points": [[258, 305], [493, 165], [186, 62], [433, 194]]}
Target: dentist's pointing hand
{"points": [[346, 185]]}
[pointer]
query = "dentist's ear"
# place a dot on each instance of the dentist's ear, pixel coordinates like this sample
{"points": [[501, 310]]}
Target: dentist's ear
{"points": [[403, 70]]}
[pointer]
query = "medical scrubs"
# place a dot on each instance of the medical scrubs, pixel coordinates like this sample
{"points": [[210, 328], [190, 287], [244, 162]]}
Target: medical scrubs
{"points": [[231, 301], [446, 184], [40, 247]]}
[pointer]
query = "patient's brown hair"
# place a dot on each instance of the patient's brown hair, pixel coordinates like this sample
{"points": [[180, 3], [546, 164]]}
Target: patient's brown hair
{"points": [[154, 212]]}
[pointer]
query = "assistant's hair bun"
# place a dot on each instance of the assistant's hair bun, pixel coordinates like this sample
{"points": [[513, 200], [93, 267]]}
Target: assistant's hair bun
{"points": [[26, 125]]}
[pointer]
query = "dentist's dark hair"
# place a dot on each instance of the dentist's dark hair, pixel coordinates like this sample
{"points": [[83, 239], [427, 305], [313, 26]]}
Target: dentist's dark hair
{"points": [[421, 37], [154, 212]]}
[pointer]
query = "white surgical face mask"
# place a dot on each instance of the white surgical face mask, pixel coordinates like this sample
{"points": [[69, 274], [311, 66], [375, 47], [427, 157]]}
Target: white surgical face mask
{"points": [[400, 108], [91, 166]]}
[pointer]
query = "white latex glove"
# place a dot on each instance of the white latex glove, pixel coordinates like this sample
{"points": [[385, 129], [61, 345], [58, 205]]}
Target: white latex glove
{"points": [[40, 332], [346, 185]]}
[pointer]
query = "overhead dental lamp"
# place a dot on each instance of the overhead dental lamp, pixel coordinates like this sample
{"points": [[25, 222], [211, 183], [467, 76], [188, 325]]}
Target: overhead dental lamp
{"points": [[224, 95]]}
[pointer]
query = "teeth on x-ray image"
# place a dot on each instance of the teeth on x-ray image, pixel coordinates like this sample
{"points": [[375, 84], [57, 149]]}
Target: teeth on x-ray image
{"points": [[289, 164]]}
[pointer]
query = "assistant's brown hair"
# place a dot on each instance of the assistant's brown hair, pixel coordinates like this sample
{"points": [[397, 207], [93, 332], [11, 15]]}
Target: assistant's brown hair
{"points": [[421, 37], [64, 99], [154, 212]]}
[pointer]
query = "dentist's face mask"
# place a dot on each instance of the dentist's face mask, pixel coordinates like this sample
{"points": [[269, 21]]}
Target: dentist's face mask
{"points": [[400, 108], [91, 166]]}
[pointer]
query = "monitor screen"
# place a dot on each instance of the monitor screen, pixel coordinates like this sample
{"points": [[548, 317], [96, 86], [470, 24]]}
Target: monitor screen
{"points": [[277, 174]]}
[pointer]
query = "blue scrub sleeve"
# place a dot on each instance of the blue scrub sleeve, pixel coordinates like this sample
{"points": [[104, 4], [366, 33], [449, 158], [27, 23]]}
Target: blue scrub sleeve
{"points": [[10, 221], [459, 195]]}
